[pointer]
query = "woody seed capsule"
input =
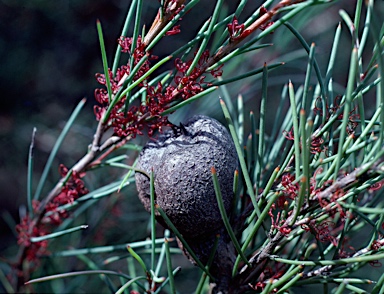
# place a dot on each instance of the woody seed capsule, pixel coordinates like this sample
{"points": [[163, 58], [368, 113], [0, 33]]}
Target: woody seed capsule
{"points": [[181, 159]]}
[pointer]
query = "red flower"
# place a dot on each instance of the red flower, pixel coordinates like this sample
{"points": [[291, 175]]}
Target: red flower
{"points": [[33, 249], [376, 186], [289, 188], [174, 31], [73, 189], [317, 145], [279, 224], [333, 109], [323, 232], [124, 121], [235, 29], [264, 26], [148, 115], [376, 245], [316, 142]]}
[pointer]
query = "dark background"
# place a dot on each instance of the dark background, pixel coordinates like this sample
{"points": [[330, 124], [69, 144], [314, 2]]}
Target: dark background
{"points": [[49, 54]]}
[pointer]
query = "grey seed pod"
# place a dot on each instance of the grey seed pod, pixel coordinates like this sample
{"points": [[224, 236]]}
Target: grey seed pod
{"points": [[181, 159]]}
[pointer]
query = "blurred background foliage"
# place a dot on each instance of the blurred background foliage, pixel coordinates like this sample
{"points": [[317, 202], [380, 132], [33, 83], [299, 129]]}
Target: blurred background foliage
{"points": [[49, 52]]}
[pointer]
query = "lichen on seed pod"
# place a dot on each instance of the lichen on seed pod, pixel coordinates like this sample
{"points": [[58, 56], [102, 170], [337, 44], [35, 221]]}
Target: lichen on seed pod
{"points": [[181, 159]]}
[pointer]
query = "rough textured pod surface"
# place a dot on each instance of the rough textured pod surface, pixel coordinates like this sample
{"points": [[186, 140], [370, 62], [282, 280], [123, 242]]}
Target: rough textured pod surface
{"points": [[181, 159]]}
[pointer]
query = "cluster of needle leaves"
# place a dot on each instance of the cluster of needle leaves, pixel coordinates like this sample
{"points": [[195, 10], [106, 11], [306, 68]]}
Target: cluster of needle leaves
{"points": [[308, 207]]}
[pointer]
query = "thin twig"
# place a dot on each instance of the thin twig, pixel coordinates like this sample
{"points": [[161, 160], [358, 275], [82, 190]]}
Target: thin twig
{"points": [[326, 269], [263, 19], [80, 166], [163, 17], [260, 259]]}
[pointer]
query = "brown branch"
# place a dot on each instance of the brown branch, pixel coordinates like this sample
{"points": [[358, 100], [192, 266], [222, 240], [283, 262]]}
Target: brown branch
{"points": [[359, 174], [263, 19], [113, 143], [325, 269], [169, 10], [80, 166], [260, 259]]}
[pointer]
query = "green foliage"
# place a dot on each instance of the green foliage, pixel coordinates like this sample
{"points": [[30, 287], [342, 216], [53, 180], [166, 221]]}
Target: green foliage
{"points": [[309, 209]]}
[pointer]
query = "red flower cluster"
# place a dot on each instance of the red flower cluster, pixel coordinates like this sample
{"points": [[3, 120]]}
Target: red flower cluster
{"points": [[269, 273], [132, 121], [237, 32], [170, 8], [376, 186], [289, 190], [338, 208], [278, 223], [174, 31], [73, 189], [33, 249], [324, 232], [316, 142], [235, 29], [376, 245], [334, 108], [193, 83], [264, 26]]}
